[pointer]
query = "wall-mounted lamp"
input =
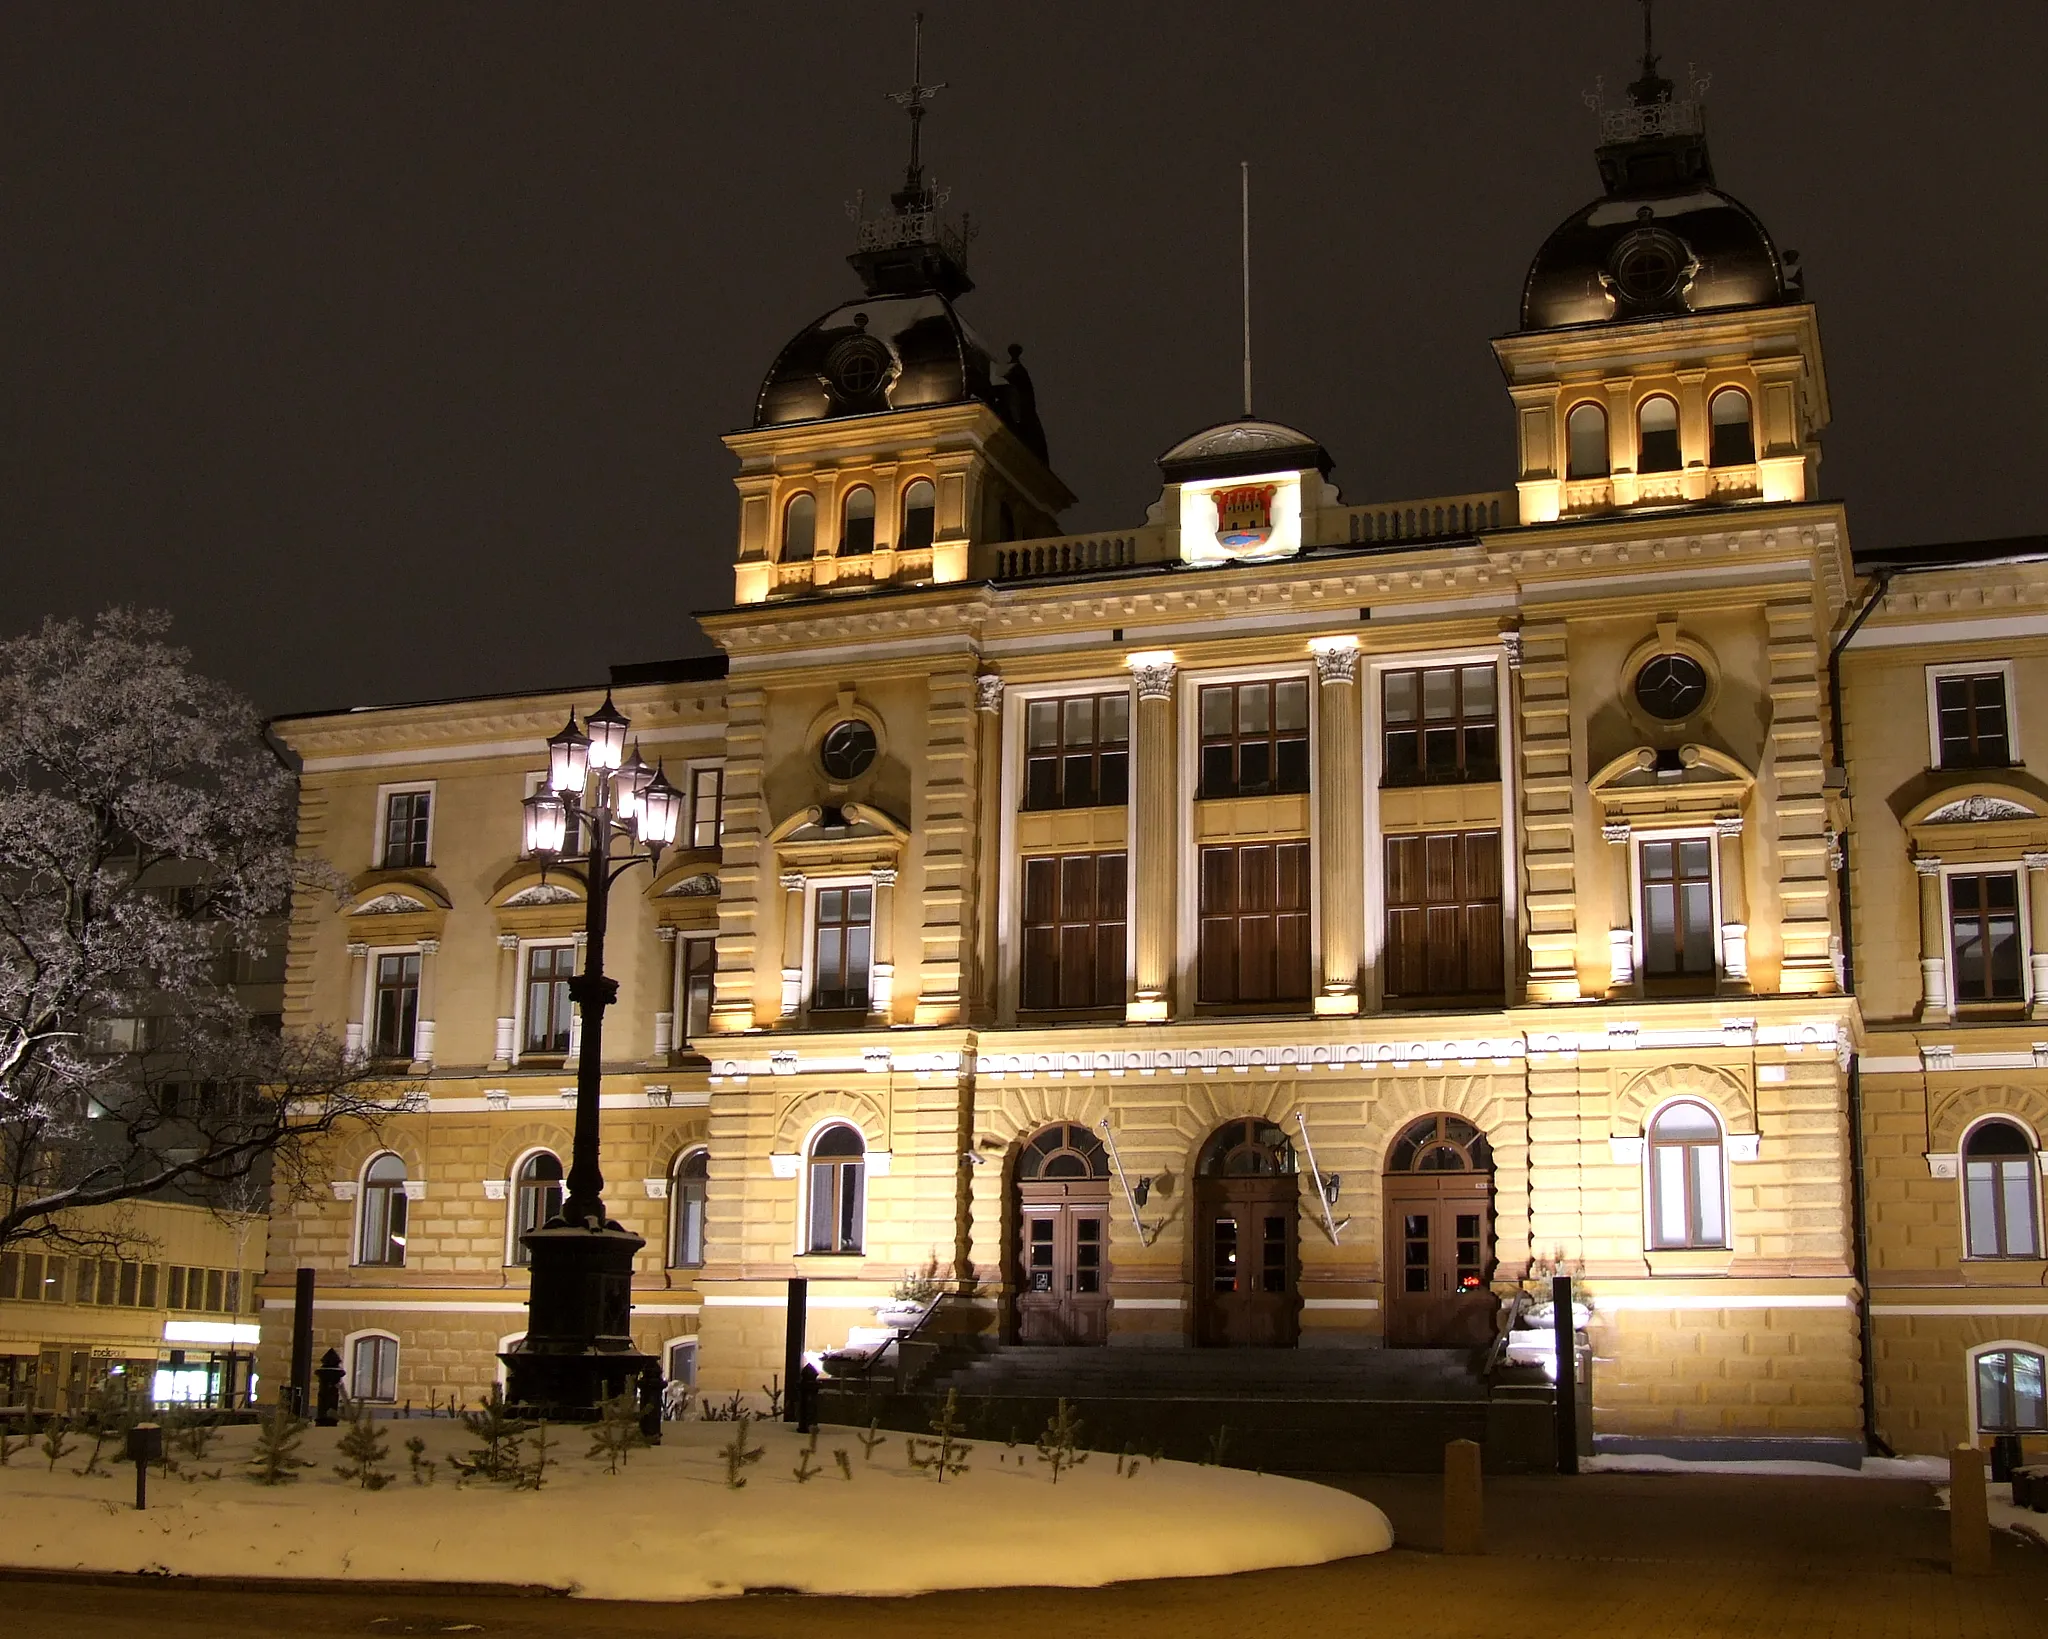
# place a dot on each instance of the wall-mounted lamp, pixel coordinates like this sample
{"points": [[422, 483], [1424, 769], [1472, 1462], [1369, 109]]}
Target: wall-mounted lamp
{"points": [[1144, 1190], [973, 1159], [1333, 1186]]}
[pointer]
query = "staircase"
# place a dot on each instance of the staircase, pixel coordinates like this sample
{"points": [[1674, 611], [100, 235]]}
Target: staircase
{"points": [[1286, 1410]]}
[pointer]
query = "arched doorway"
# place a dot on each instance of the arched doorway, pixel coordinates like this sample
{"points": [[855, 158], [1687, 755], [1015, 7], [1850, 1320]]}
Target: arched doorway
{"points": [[1062, 1264], [1247, 1239], [1439, 1260]]}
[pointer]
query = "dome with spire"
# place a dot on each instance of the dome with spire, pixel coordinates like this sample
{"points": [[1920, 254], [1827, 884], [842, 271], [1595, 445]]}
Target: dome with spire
{"points": [[1662, 241]]}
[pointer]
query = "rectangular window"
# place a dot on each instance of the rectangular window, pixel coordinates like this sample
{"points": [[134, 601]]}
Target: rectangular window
{"points": [[1074, 907], [174, 1296], [1077, 751], [1254, 739], [405, 829], [10, 1273], [1254, 923], [397, 1012], [548, 970], [1984, 924], [2012, 1392], [1971, 721], [1678, 911], [108, 1293], [1443, 915], [215, 1301], [707, 805], [699, 978], [1440, 724], [52, 1279], [373, 1369], [147, 1300], [841, 949]]}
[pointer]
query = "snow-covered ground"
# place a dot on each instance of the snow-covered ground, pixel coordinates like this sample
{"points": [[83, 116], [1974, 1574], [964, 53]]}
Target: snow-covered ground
{"points": [[668, 1527], [1934, 1470]]}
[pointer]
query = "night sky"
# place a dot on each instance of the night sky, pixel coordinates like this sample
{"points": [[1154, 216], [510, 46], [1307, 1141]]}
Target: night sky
{"points": [[389, 346]]}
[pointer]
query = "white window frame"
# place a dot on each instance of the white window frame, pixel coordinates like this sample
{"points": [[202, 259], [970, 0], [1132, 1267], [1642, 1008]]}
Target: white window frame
{"points": [[361, 1202], [504, 1346], [690, 772], [2016, 867], [384, 795], [524, 954], [1010, 877], [1649, 1177], [1971, 668], [674, 1168], [1372, 722], [1638, 935], [676, 1346], [348, 1359], [678, 1001], [1976, 1352], [512, 1196], [840, 879], [370, 992], [1188, 684], [806, 1153], [2040, 1156]]}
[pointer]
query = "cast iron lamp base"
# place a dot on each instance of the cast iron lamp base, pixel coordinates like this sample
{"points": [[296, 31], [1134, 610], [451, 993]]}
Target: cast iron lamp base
{"points": [[578, 1350]]}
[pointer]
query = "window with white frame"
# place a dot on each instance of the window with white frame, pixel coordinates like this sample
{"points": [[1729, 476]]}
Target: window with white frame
{"points": [[1680, 949], [373, 1367], [697, 980], [682, 1363], [2011, 1383], [1688, 1173], [842, 946], [395, 1004], [536, 1198], [405, 826], [1987, 962], [707, 805], [838, 1190], [546, 1002], [381, 1213], [1969, 715], [686, 1192], [2001, 1217]]}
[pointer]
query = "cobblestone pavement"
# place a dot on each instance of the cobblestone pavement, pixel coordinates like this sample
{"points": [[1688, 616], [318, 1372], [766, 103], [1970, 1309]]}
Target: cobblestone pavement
{"points": [[1675, 1557]]}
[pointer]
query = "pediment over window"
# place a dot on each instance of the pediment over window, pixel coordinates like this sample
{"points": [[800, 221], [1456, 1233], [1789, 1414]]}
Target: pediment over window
{"points": [[854, 836], [1692, 782], [539, 904], [389, 893], [1980, 819]]}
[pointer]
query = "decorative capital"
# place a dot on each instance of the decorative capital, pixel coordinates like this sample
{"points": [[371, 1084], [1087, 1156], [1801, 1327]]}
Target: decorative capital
{"points": [[1153, 670], [1618, 832], [508, 941], [884, 876], [430, 947], [2035, 862], [988, 692], [1336, 659], [1511, 646], [792, 881], [358, 951], [1729, 825], [1928, 865], [666, 934]]}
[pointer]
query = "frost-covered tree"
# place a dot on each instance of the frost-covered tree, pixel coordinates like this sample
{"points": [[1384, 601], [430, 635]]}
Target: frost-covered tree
{"points": [[146, 843]]}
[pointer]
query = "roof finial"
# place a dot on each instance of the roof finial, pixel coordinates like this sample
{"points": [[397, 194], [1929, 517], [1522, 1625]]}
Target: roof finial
{"points": [[913, 101], [1652, 88], [1244, 167]]}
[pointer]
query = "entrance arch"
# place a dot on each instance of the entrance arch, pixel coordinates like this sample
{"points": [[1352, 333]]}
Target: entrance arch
{"points": [[1247, 1239], [1062, 1254], [1438, 1193]]}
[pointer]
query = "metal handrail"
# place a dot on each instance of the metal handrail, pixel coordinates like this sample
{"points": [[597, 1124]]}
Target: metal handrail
{"points": [[1517, 1305]]}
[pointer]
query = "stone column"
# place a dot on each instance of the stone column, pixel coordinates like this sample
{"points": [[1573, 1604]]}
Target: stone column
{"points": [[423, 1039], [1734, 906], [508, 1001], [2037, 928], [882, 950], [979, 983], [358, 998], [792, 943], [1340, 812], [1933, 943], [1157, 829], [575, 1054], [665, 1013], [1621, 930]]}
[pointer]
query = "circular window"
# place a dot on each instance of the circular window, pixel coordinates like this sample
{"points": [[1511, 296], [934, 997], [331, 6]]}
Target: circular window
{"points": [[1671, 686], [847, 749], [857, 366], [1649, 265]]}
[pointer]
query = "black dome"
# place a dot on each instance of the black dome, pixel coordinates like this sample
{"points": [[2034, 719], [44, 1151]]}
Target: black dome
{"points": [[894, 352]]}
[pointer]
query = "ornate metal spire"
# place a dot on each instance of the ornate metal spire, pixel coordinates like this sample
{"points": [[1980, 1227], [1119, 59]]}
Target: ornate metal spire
{"points": [[1652, 88], [912, 101], [911, 247]]}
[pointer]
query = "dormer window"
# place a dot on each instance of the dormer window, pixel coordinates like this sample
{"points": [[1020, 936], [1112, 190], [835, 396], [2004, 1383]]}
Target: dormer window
{"points": [[1657, 436], [1586, 434], [857, 522], [920, 515], [1734, 443], [800, 528], [1970, 719]]}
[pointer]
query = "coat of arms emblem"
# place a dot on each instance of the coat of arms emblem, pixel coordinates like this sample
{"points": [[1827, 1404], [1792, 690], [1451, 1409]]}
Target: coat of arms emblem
{"points": [[1244, 515]]}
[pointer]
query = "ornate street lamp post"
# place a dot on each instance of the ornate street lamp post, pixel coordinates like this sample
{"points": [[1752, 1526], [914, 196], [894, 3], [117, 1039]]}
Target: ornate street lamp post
{"points": [[578, 1349]]}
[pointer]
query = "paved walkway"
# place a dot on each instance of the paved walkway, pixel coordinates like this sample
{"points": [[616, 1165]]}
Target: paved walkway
{"points": [[1676, 1557]]}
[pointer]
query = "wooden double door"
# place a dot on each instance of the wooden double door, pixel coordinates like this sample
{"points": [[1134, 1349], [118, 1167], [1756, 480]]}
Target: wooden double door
{"points": [[1439, 1260], [1063, 1262], [1248, 1261]]}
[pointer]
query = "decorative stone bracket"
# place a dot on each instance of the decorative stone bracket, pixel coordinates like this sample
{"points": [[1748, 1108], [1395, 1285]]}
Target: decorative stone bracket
{"points": [[344, 1189], [785, 1165], [415, 1189], [1944, 1166], [657, 1188], [495, 1189]]}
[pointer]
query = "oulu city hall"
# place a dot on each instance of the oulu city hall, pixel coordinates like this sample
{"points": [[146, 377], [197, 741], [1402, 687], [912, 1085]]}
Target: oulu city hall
{"points": [[1286, 923]]}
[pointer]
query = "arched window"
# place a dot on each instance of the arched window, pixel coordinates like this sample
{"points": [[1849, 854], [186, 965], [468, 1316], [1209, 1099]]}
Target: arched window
{"points": [[800, 528], [382, 1240], [686, 1210], [536, 1197], [1687, 1197], [1733, 444], [1585, 432], [373, 1367], [920, 514], [2012, 1391], [1657, 436], [857, 522], [838, 1190], [1065, 1150], [1441, 1143], [1998, 1192], [1247, 1149]]}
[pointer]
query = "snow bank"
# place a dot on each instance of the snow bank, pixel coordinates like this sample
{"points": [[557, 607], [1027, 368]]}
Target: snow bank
{"points": [[667, 1527], [1931, 1469]]}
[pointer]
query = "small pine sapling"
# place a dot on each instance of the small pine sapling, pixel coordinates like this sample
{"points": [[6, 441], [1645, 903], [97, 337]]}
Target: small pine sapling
{"points": [[277, 1456], [56, 1444], [738, 1455], [872, 1437], [365, 1446], [948, 1453], [773, 1389], [845, 1463], [496, 1457], [724, 1411], [616, 1435], [422, 1465], [806, 1469], [194, 1434], [9, 1445], [531, 1476], [1056, 1446], [1219, 1443]]}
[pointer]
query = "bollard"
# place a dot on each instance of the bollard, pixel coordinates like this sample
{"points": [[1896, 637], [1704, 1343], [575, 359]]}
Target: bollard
{"points": [[145, 1446], [807, 1399], [299, 1388], [1464, 1499], [327, 1401], [793, 1346], [1969, 1516]]}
